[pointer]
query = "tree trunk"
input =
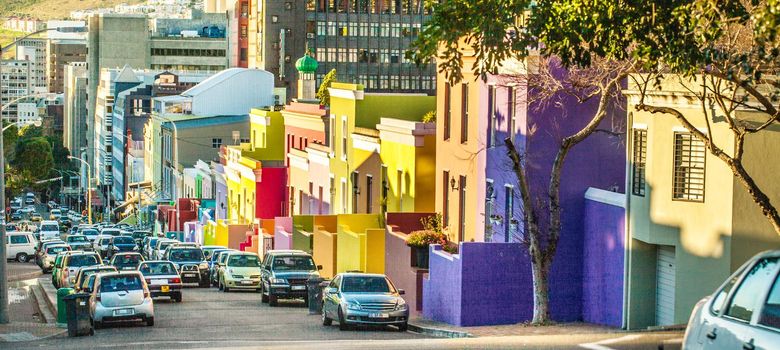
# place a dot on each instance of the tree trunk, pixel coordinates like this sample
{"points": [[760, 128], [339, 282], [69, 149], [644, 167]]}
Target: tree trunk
{"points": [[540, 271]]}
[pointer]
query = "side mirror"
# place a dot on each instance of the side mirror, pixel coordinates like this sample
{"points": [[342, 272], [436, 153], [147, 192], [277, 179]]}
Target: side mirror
{"points": [[319, 267], [331, 290], [401, 292]]}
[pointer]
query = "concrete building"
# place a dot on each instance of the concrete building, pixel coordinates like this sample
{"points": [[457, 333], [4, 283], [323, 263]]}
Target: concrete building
{"points": [[33, 50], [16, 82], [365, 42], [691, 223], [57, 35], [75, 107], [60, 53]]}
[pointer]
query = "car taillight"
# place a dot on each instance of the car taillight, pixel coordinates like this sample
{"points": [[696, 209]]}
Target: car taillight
{"points": [[175, 280]]}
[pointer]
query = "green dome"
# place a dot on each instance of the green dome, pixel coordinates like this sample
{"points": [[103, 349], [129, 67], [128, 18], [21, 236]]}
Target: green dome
{"points": [[306, 64]]}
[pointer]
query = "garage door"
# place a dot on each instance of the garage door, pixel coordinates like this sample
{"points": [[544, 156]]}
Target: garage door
{"points": [[664, 292]]}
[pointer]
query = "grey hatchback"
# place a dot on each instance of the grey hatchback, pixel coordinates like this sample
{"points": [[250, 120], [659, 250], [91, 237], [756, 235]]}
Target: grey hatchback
{"points": [[361, 298]]}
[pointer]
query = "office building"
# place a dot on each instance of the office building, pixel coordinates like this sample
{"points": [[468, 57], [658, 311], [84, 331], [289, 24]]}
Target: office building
{"points": [[16, 83], [34, 51], [75, 107], [59, 54]]}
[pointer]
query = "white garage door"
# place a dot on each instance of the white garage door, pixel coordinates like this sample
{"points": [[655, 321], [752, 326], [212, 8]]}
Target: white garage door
{"points": [[664, 290]]}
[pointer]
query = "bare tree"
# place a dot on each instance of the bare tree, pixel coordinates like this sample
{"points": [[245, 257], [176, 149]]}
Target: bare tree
{"points": [[603, 82]]}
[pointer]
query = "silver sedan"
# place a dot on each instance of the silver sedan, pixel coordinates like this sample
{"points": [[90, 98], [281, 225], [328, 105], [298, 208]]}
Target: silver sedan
{"points": [[361, 298]]}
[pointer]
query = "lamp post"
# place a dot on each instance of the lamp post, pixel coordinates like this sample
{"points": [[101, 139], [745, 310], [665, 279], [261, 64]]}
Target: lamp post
{"points": [[89, 187], [3, 253]]}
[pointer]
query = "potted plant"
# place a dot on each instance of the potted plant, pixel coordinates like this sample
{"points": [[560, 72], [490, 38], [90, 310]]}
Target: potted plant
{"points": [[420, 240]]}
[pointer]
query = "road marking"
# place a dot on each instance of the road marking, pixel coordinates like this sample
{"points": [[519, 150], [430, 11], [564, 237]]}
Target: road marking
{"points": [[602, 345]]}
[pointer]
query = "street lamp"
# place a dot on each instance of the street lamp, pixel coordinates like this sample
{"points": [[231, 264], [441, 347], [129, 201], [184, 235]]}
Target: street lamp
{"points": [[89, 187], [3, 252]]}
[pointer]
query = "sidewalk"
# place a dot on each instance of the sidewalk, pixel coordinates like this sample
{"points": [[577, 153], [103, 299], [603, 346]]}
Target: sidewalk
{"points": [[30, 308], [22, 271], [439, 329]]}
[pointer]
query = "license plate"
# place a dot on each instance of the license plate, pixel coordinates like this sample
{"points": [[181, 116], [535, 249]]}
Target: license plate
{"points": [[190, 275], [123, 312], [246, 282], [298, 287], [378, 315], [165, 289], [159, 282]]}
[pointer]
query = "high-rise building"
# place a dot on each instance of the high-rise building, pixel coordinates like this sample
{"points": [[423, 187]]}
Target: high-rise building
{"points": [[59, 54], [34, 51], [75, 107], [15, 83], [365, 41]]}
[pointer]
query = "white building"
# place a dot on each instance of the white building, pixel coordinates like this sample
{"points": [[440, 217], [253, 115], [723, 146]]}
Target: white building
{"points": [[33, 50], [16, 83]]}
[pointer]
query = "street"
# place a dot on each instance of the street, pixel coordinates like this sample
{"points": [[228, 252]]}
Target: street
{"points": [[208, 318]]}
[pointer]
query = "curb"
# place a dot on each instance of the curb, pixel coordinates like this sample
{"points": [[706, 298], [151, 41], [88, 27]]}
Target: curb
{"points": [[438, 332], [25, 276], [44, 305], [676, 327]]}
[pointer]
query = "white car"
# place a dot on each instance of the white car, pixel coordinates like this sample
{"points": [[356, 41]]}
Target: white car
{"points": [[49, 229], [120, 296], [55, 214], [20, 246], [744, 313]]}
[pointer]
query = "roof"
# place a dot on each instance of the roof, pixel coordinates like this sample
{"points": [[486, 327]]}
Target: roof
{"points": [[185, 122], [218, 78], [301, 252]]}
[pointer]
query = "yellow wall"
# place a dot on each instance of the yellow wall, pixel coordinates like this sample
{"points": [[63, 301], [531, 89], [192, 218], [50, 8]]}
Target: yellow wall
{"points": [[325, 251], [352, 241], [417, 166], [221, 234], [367, 163]]}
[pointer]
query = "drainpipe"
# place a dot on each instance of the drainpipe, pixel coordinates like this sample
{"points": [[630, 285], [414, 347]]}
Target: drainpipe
{"points": [[627, 224]]}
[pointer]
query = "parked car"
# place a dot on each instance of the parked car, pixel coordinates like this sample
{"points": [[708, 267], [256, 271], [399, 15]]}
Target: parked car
{"points": [[78, 242], [100, 245], [46, 260], [121, 244], [16, 216], [83, 275], [110, 231], [59, 260], [49, 229], [362, 298], [20, 246], [284, 275], [40, 249], [744, 313], [190, 263], [241, 271], [209, 249], [139, 235], [212, 259], [126, 260], [219, 262], [163, 279], [120, 296], [73, 263], [159, 250]]}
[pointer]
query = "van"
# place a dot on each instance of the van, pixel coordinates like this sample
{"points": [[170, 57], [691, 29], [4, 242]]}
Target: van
{"points": [[49, 229], [20, 246]]}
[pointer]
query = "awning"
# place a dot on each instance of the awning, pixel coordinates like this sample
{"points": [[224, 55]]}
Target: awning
{"points": [[130, 220]]}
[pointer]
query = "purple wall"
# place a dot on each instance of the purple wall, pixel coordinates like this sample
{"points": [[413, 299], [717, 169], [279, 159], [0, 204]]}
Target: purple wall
{"points": [[465, 291], [602, 269]]}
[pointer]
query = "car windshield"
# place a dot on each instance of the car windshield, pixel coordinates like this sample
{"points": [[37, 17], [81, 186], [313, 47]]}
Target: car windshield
{"points": [[88, 232], [293, 263], [82, 260], [112, 232], [57, 249], [193, 254], [49, 227], [243, 260], [123, 240], [77, 239], [127, 259], [139, 234], [158, 268], [117, 283], [365, 285]]}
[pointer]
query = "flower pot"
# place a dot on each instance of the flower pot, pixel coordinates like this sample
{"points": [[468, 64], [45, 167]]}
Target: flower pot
{"points": [[421, 254]]}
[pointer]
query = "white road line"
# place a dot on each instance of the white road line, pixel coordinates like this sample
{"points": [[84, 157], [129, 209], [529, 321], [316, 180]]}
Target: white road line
{"points": [[602, 345]]}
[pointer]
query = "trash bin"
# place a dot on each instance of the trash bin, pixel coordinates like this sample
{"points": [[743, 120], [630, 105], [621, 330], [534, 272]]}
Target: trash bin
{"points": [[314, 286], [61, 293], [77, 311]]}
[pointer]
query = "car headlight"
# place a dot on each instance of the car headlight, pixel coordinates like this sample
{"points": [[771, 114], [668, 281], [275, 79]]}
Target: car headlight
{"points": [[278, 281], [353, 306], [203, 266], [400, 305]]}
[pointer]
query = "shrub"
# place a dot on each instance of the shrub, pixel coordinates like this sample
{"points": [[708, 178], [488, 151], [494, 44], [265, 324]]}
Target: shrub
{"points": [[424, 238]]}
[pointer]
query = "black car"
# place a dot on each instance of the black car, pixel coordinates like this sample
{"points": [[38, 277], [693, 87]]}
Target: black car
{"points": [[284, 275], [139, 235], [191, 264], [16, 216], [119, 244]]}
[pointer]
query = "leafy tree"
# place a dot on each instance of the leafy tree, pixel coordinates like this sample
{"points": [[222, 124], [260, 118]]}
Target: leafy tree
{"points": [[322, 92], [34, 157]]}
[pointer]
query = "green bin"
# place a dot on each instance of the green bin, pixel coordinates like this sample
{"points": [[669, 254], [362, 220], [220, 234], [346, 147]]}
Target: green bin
{"points": [[61, 314]]}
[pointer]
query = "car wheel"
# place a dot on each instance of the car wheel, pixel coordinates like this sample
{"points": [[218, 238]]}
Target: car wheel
{"points": [[225, 288], [403, 327], [22, 257], [150, 321], [272, 300], [326, 321], [343, 326]]}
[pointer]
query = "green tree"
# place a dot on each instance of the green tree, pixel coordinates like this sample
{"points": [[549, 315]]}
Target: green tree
{"points": [[34, 157], [322, 92]]}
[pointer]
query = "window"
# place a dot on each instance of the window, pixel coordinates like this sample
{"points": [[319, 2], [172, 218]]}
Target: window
{"points": [[216, 143], [462, 208], [369, 197], [464, 114], [343, 195], [689, 158], [355, 191], [491, 116], [770, 313], [344, 137], [639, 158], [445, 188], [319, 202], [447, 112], [755, 282], [19, 239], [511, 111], [509, 207]]}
